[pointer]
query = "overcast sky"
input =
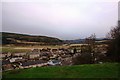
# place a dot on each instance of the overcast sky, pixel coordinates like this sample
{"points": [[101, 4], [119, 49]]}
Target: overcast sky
{"points": [[64, 19]]}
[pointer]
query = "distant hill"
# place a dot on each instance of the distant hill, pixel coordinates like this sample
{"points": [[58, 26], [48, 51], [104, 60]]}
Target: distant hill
{"points": [[80, 41], [74, 41], [24, 39]]}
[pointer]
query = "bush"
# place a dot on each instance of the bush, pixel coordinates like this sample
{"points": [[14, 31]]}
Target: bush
{"points": [[83, 58]]}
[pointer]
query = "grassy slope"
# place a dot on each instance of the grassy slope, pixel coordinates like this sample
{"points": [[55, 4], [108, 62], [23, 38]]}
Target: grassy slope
{"points": [[107, 70]]}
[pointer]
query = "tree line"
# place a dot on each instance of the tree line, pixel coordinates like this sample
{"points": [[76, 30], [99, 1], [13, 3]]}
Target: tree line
{"points": [[88, 54]]}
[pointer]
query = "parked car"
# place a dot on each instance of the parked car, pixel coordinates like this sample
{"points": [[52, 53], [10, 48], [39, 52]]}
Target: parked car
{"points": [[54, 62]]}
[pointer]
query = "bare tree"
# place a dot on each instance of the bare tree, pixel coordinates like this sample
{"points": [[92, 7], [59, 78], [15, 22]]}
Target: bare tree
{"points": [[85, 57], [114, 46], [90, 41]]}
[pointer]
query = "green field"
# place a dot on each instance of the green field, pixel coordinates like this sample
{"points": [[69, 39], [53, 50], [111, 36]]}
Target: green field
{"points": [[16, 49], [13, 50], [106, 70]]}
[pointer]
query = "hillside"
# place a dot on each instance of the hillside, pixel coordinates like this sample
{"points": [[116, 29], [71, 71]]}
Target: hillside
{"points": [[78, 41], [15, 38], [106, 70]]}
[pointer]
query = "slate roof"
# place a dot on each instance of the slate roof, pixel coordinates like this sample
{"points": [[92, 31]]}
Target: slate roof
{"points": [[4, 62], [33, 62]]}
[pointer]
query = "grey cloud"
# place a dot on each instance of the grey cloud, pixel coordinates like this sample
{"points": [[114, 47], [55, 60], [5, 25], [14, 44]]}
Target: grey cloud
{"points": [[62, 20]]}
